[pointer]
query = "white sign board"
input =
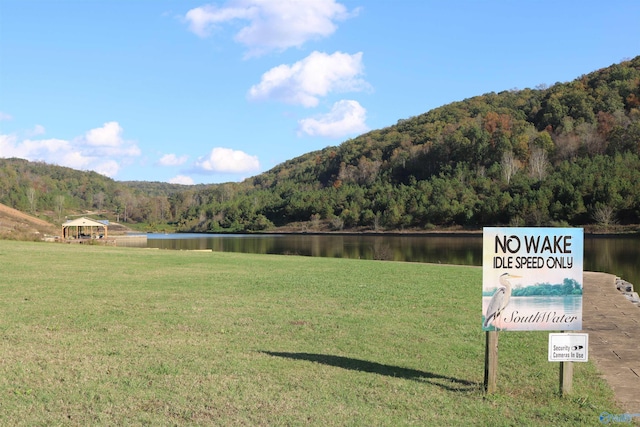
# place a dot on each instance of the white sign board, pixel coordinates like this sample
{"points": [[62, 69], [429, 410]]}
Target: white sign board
{"points": [[532, 279], [568, 347]]}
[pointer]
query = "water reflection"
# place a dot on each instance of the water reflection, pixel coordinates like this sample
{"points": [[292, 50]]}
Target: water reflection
{"points": [[615, 255], [618, 255], [436, 249]]}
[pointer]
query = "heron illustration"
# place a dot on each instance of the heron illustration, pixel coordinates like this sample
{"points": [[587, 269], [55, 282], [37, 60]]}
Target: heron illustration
{"points": [[499, 300]]}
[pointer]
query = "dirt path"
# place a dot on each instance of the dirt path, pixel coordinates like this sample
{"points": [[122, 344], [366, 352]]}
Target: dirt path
{"points": [[12, 221], [16, 214]]}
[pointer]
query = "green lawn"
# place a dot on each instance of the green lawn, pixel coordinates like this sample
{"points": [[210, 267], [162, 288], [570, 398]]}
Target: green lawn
{"points": [[96, 335]]}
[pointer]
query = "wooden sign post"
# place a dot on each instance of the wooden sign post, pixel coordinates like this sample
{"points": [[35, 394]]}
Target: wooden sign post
{"points": [[566, 378], [491, 362]]}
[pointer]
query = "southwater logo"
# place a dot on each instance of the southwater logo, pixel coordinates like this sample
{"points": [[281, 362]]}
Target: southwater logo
{"points": [[607, 418]]}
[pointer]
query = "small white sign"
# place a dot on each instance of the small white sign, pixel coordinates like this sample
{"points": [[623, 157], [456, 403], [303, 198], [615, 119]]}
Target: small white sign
{"points": [[568, 347]]}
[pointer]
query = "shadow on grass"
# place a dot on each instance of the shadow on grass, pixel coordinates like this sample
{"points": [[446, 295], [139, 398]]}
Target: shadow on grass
{"points": [[448, 383]]}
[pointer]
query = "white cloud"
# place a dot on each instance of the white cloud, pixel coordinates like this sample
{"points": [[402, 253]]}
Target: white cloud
{"points": [[71, 158], [172, 160], [202, 20], [226, 160], [37, 130], [101, 149], [109, 135], [272, 24], [316, 75], [107, 168], [52, 150], [107, 141], [8, 146], [5, 116], [345, 118], [181, 179]]}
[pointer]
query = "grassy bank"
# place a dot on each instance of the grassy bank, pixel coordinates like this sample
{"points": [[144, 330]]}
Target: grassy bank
{"points": [[110, 336]]}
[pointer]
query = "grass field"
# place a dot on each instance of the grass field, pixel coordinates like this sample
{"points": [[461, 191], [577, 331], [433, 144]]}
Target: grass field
{"points": [[97, 335]]}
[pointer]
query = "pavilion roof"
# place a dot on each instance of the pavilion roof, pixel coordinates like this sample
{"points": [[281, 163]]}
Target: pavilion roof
{"points": [[84, 222]]}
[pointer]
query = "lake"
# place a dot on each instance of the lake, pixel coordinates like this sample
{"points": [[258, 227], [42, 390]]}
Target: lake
{"points": [[619, 255]]}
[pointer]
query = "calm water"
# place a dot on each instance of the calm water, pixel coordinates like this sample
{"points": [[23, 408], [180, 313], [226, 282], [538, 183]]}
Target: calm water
{"points": [[615, 255]]}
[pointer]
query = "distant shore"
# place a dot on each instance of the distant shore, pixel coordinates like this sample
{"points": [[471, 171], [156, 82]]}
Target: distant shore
{"points": [[620, 231]]}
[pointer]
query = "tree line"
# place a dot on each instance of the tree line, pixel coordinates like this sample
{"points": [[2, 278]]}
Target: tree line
{"points": [[53, 192]]}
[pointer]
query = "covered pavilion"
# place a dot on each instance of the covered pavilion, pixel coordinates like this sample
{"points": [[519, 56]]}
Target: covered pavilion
{"points": [[85, 228]]}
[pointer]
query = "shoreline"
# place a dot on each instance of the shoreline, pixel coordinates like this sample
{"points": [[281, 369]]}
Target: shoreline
{"points": [[408, 233]]}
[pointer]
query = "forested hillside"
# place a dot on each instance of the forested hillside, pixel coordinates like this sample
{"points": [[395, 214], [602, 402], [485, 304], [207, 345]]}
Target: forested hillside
{"points": [[563, 155], [568, 154], [53, 192]]}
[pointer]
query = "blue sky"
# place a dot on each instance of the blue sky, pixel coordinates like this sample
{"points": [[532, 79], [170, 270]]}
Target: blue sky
{"points": [[206, 92]]}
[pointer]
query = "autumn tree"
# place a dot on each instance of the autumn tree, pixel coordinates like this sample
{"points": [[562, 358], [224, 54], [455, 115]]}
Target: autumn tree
{"points": [[31, 195], [510, 165], [538, 163]]}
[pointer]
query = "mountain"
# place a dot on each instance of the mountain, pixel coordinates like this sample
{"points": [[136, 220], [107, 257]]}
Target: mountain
{"points": [[53, 192], [561, 155], [568, 154]]}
